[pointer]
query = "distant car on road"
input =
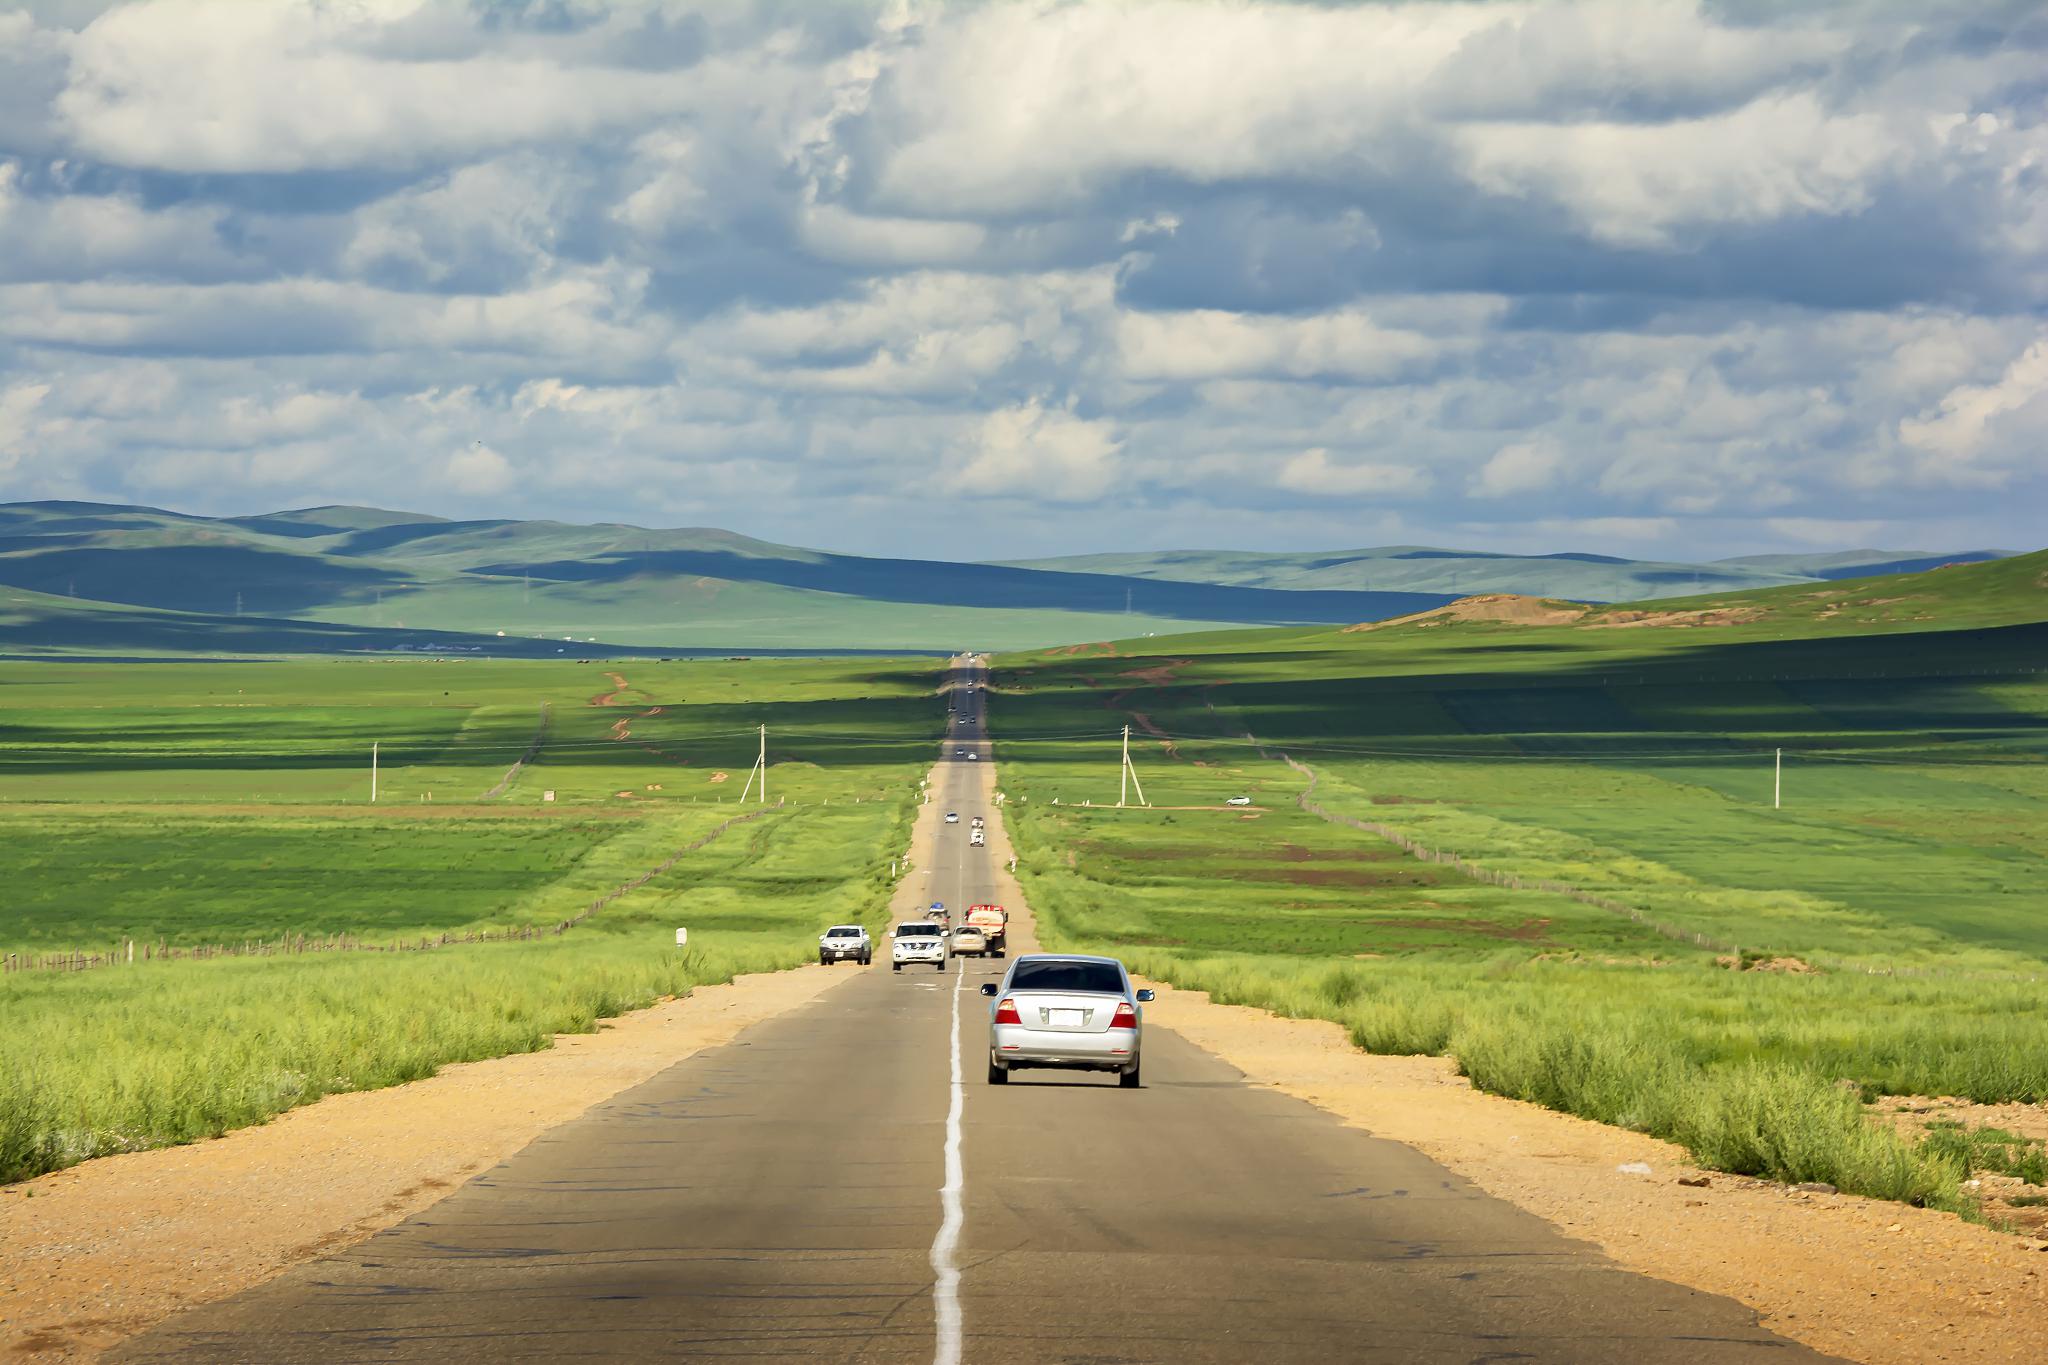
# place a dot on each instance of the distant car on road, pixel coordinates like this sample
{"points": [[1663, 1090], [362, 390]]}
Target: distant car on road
{"points": [[977, 822], [1065, 1010], [843, 941], [971, 755], [977, 838], [958, 752], [952, 817], [969, 941], [921, 941], [1238, 801]]}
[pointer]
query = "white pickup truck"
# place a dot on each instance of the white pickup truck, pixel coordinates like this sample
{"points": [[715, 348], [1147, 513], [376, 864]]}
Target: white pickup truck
{"points": [[843, 941], [921, 941]]}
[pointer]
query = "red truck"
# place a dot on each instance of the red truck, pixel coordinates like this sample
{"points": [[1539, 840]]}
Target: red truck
{"points": [[994, 923]]}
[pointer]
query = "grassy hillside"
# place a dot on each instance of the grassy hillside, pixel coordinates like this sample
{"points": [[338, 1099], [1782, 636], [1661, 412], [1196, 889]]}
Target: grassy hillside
{"points": [[36, 624], [1577, 577], [674, 589]]}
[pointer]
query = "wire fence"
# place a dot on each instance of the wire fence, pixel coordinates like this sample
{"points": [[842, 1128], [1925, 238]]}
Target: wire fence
{"points": [[532, 751]]}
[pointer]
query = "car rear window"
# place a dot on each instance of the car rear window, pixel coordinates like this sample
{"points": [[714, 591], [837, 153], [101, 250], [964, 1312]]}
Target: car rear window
{"points": [[1100, 977]]}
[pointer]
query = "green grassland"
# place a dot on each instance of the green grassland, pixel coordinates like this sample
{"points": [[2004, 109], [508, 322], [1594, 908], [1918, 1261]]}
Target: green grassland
{"points": [[1633, 767], [227, 803]]}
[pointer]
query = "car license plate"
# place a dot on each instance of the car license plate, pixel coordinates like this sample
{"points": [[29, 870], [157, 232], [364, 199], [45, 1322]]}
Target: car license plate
{"points": [[1066, 1018]]}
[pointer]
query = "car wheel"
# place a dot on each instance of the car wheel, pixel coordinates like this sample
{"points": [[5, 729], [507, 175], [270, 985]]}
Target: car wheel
{"points": [[997, 1075], [824, 961], [940, 965], [895, 966], [1128, 1079]]}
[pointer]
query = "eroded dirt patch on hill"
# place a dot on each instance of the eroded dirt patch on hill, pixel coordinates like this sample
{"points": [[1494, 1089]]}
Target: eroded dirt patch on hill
{"points": [[1512, 608], [1706, 616]]}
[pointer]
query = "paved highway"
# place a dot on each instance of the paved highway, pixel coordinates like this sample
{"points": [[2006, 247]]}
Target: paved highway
{"points": [[790, 1196]]}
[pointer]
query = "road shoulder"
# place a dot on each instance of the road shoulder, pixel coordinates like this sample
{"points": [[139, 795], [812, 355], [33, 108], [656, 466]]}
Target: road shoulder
{"points": [[95, 1253], [1858, 1278]]}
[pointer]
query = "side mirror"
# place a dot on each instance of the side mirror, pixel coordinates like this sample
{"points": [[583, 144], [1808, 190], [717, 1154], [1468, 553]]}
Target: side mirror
{"points": [[1144, 995], [988, 988]]}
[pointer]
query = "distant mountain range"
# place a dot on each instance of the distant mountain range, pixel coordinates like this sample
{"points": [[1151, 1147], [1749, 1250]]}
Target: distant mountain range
{"points": [[106, 578], [1460, 573]]}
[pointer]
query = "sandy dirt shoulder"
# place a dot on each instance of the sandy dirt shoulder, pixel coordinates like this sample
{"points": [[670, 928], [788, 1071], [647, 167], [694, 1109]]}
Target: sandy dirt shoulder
{"points": [[93, 1254], [1858, 1278]]}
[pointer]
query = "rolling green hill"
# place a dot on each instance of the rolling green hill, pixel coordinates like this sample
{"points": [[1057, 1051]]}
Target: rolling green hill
{"points": [[369, 570], [1418, 568]]}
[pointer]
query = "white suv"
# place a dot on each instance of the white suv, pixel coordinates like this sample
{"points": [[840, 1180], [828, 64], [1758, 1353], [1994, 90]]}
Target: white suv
{"points": [[922, 941], [842, 941]]}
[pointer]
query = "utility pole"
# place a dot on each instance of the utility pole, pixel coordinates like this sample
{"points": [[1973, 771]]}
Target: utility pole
{"points": [[238, 602], [373, 772], [1778, 781], [1130, 774], [760, 769]]}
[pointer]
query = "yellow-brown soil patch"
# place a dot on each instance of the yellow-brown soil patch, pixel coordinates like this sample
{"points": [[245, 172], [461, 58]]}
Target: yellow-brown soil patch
{"points": [[1512, 608]]}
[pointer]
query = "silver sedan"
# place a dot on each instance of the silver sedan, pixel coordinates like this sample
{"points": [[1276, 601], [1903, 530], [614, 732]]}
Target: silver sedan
{"points": [[1065, 1010]]}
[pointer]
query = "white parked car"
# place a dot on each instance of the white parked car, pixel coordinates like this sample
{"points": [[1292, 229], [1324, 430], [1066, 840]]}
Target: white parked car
{"points": [[921, 941], [843, 941], [971, 755], [1238, 801], [1065, 1010]]}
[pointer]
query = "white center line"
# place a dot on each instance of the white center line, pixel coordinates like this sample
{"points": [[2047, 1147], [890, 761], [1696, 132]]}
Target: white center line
{"points": [[945, 1266], [946, 1287]]}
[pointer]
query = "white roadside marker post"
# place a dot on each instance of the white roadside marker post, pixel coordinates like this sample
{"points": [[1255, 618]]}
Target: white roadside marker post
{"points": [[1778, 781]]}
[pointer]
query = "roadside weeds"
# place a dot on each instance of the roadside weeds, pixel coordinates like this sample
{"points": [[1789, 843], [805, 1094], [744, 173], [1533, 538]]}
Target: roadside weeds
{"points": [[94, 1253], [1865, 1279]]}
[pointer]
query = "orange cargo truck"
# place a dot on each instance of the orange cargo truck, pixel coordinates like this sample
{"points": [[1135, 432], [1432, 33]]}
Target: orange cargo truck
{"points": [[994, 923]]}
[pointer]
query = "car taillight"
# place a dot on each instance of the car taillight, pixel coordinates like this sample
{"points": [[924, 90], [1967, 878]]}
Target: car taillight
{"points": [[1126, 1017], [1006, 1013]]}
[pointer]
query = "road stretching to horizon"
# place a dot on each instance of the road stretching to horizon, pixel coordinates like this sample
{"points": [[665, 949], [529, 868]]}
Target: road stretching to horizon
{"points": [[785, 1197]]}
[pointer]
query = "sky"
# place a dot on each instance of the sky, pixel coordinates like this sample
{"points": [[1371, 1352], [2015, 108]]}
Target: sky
{"points": [[1664, 280]]}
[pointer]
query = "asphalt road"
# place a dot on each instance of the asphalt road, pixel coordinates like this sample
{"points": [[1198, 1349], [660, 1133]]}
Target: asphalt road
{"points": [[785, 1197]]}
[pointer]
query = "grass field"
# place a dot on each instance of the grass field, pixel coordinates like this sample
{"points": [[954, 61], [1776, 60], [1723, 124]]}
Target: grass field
{"points": [[220, 804], [1634, 767]]}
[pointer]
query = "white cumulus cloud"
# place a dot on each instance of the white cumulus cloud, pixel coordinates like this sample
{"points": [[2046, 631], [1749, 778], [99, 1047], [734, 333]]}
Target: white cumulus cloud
{"points": [[1041, 454]]}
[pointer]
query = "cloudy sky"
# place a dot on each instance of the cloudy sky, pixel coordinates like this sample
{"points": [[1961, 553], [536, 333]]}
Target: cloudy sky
{"points": [[1672, 279]]}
